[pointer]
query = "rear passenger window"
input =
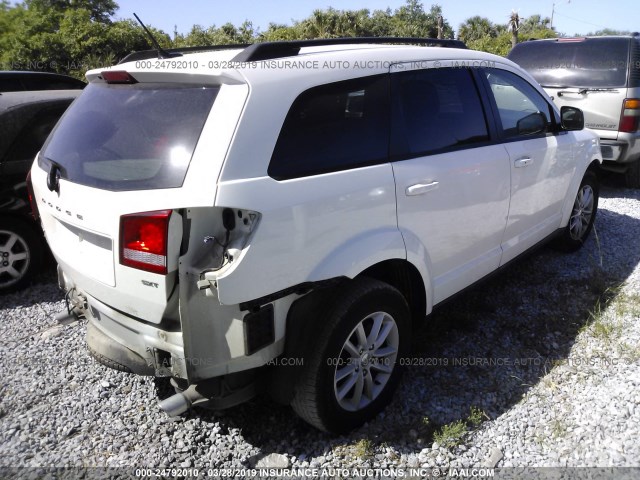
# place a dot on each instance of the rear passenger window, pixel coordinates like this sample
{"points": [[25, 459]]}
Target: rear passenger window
{"points": [[435, 110], [334, 127], [522, 110]]}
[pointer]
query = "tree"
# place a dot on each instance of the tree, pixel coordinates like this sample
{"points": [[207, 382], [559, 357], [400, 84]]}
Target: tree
{"points": [[227, 34], [514, 26], [99, 10], [321, 24], [480, 33], [476, 28], [607, 31], [280, 32], [411, 20], [65, 37]]}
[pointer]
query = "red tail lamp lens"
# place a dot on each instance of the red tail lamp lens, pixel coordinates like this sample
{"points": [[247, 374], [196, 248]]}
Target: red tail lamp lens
{"points": [[143, 240]]}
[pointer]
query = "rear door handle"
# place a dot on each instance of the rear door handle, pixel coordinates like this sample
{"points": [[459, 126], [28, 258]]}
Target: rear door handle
{"points": [[522, 162], [421, 188]]}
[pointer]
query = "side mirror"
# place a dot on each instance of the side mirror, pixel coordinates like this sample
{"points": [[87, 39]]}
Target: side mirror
{"points": [[572, 118], [532, 124]]}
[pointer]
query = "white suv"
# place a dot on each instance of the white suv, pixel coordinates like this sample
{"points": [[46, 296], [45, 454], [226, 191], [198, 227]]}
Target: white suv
{"points": [[279, 217]]}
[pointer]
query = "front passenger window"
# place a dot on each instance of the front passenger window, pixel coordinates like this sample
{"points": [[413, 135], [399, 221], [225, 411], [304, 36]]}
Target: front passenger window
{"points": [[522, 110]]}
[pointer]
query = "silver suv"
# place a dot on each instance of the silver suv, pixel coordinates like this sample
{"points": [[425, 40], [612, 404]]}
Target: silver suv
{"points": [[280, 217], [601, 76]]}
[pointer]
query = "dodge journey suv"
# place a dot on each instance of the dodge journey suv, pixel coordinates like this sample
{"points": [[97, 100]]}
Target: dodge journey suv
{"points": [[215, 213]]}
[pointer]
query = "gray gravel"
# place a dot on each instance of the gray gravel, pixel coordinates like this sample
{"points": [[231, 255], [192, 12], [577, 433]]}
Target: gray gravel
{"points": [[547, 354]]}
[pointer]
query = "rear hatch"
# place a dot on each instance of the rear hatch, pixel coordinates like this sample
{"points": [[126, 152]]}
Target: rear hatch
{"points": [[588, 73], [112, 179]]}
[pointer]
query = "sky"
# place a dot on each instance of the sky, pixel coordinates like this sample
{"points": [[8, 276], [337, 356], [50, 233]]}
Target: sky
{"points": [[570, 16]]}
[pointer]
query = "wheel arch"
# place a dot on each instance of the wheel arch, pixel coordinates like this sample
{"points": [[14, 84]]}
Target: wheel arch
{"points": [[303, 324], [406, 278], [594, 167]]}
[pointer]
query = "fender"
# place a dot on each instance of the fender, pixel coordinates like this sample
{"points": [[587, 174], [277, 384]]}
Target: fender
{"points": [[373, 247], [592, 146], [361, 252], [418, 256]]}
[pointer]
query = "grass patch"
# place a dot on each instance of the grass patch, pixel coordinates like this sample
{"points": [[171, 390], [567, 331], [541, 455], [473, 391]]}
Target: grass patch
{"points": [[363, 448], [627, 304], [476, 417], [451, 434], [601, 326], [558, 428]]}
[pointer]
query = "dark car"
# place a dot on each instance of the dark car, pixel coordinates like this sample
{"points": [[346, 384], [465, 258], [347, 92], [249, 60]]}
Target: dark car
{"points": [[15, 81], [26, 118]]}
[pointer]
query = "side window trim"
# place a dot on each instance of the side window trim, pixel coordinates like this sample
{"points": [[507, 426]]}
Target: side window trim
{"points": [[490, 98], [492, 129], [489, 105]]}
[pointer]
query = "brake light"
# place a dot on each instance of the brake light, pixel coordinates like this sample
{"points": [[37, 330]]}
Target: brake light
{"points": [[571, 40], [118, 76], [630, 118], [143, 240], [35, 213]]}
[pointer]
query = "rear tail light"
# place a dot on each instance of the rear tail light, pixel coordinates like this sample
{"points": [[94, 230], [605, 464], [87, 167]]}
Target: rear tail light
{"points": [[630, 118], [143, 240], [35, 213]]}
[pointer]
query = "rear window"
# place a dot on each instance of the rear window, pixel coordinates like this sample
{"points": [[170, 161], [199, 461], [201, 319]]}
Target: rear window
{"points": [[123, 137], [601, 62]]}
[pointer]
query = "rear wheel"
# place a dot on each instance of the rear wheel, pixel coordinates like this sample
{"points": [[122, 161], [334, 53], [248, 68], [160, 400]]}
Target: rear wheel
{"points": [[352, 368], [20, 254], [583, 214], [632, 175]]}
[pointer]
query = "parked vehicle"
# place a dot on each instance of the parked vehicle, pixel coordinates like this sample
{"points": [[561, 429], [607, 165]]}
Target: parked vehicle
{"points": [[277, 218], [601, 76], [26, 118], [19, 81]]}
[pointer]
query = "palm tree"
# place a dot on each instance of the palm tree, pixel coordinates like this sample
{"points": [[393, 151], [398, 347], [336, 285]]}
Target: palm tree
{"points": [[514, 26], [319, 24], [476, 28]]}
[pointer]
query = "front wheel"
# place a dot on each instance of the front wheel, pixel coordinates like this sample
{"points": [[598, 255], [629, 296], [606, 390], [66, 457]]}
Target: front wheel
{"points": [[583, 214], [352, 368]]}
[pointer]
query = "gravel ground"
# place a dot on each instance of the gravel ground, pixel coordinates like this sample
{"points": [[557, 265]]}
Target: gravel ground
{"points": [[538, 367]]}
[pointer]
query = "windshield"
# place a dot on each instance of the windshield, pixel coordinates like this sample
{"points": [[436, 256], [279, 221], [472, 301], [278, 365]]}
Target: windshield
{"points": [[597, 63], [129, 137]]}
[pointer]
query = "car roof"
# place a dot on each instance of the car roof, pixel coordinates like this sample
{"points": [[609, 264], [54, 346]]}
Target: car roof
{"points": [[44, 77], [13, 99], [579, 38], [331, 63]]}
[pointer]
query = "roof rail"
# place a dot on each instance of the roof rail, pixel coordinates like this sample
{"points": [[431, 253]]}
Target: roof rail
{"points": [[147, 54], [268, 50]]}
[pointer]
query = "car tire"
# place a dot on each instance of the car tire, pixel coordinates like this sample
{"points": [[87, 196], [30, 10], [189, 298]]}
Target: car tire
{"points": [[632, 175], [583, 214], [347, 376], [20, 254]]}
